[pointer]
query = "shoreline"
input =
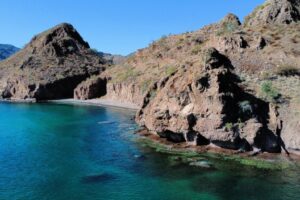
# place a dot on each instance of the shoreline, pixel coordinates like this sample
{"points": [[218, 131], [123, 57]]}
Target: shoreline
{"points": [[96, 102], [173, 147], [162, 145]]}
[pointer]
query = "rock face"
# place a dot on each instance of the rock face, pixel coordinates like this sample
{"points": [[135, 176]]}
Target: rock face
{"points": [[204, 104], [275, 12], [7, 50], [91, 88], [50, 66]]}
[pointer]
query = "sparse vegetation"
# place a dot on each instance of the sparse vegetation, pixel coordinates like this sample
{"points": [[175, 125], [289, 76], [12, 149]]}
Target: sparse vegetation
{"points": [[170, 70], [245, 107], [229, 126], [145, 85], [268, 92], [129, 73], [227, 28], [197, 48]]}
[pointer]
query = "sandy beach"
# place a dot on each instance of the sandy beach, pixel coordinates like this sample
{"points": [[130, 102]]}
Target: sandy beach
{"points": [[98, 102]]}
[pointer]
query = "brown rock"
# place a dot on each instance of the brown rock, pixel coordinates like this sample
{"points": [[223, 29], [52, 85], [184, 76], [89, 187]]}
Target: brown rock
{"points": [[91, 88], [205, 102], [275, 12], [50, 66]]}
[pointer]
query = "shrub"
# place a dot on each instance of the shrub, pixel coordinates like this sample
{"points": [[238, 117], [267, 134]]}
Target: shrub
{"points": [[245, 107], [197, 49], [268, 92], [128, 73], [170, 70], [227, 28], [145, 85], [228, 126]]}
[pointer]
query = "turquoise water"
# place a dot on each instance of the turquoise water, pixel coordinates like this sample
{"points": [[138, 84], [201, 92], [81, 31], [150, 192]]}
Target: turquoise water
{"points": [[63, 152]]}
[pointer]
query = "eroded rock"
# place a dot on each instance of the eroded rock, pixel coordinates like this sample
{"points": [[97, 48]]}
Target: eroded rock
{"points": [[204, 104]]}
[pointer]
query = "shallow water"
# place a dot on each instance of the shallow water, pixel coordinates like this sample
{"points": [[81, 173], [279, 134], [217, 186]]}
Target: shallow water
{"points": [[62, 152]]}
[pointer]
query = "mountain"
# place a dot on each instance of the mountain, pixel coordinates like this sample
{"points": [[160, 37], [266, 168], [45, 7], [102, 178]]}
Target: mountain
{"points": [[50, 66], [244, 94], [114, 59], [7, 50]]}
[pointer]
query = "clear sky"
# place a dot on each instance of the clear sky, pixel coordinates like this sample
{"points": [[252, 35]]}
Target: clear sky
{"points": [[114, 26]]}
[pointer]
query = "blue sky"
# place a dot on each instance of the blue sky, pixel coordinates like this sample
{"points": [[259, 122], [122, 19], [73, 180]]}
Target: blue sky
{"points": [[115, 26]]}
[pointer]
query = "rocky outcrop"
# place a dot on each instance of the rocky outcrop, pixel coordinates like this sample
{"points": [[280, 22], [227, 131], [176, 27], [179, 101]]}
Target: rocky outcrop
{"points": [[50, 66], [93, 87], [275, 12], [124, 92], [204, 104]]}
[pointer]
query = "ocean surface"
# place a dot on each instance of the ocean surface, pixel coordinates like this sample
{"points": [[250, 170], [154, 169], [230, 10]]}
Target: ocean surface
{"points": [[69, 152]]}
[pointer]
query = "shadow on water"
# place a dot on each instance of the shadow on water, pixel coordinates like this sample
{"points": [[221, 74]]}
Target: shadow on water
{"points": [[100, 178]]}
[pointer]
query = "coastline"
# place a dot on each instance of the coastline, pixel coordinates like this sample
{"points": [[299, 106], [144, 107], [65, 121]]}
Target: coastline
{"points": [[153, 141], [260, 160], [96, 102]]}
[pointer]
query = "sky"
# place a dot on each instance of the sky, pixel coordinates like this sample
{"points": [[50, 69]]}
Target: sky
{"points": [[114, 26]]}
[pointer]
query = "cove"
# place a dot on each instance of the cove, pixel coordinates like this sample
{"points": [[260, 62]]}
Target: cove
{"points": [[52, 151]]}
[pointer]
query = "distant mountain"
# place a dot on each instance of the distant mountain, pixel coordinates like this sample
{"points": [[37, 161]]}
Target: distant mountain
{"points": [[7, 50], [114, 59]]}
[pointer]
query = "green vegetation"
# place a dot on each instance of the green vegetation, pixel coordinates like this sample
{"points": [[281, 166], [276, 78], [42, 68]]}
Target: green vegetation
{"points": [[197, 48], [127, 74], [245, 106], [190, 155], [228, 126], [227, 28], [259, 163], [145, 85], [268, 92], [170, 70]]}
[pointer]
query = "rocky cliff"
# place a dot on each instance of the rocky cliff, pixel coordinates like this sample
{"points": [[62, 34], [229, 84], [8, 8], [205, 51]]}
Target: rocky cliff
{"points": [[246, 97], [50, 66]]}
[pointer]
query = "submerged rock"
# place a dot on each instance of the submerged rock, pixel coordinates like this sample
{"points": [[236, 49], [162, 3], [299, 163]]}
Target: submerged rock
{"points": [[92, 179], [202, 164]]}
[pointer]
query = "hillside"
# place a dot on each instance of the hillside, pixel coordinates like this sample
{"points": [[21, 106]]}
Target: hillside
{"points": [[50, 66], [264, 55], [7, 50]]}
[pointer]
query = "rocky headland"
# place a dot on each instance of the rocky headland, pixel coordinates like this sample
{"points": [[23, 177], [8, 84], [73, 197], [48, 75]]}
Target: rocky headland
{"points": [[230, 84]]}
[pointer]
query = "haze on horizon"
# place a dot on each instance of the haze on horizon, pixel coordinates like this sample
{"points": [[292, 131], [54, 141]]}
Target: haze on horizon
{"points": [[114, 26]]}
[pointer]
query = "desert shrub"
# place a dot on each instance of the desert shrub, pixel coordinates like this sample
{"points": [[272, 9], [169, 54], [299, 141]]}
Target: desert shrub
{"points": [[145, 85], [197, 48], [287, 70], [170, 70], [227, 28], [229, 126], [245, 107], [126, 74], [268, 92]]}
